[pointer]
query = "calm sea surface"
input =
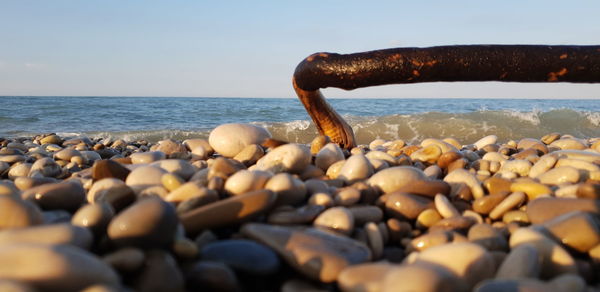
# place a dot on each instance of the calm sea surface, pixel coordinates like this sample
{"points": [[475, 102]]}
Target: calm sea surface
{"points": [[155, 118]]}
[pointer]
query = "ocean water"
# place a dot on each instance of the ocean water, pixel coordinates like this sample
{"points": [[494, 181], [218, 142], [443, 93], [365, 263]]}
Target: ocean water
{"points": [[156, 118]]}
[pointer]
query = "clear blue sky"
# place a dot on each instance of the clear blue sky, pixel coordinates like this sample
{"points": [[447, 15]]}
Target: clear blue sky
{"points": [[251, 48]]}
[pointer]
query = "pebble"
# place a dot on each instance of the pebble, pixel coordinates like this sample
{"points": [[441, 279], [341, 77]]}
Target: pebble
{"points": [[250, 154], [168, 147], [366, 277], [469, 261], [428, 188], [159, 273], [113, 191], [109, 169], [94, 216], [178, 167], [328, 155], [144, 177], [19, 170], [428, 218], [55, 234], [126, 259], [338, 219], [54, 267], [229, 139], [228, 211], [568, 144], [523, 261], [289, 190], [357, 167], [366, 213], [510, 202], [147, 157], [245, 181], [429, 154], [406, 206], [243, 255], [555, 259], [15, 213], [543, 209], [64, 195], [192, 144], [423, 277], [149, 223], [577, 230], [488, 237], [444, 207], [544, 164], [588, 190], [292, 158], [487, 140], [302, 215], [212, 276], [394, 178], [531, 188], [192, 190], [317, 254], [456, 177], [559, 175]]}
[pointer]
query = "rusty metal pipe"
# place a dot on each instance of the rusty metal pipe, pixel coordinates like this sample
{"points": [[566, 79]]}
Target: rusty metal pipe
{"points": [[508, 63]]}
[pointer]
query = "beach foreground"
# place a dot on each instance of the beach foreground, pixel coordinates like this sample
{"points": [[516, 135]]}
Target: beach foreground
{"points": [[240, 211]]}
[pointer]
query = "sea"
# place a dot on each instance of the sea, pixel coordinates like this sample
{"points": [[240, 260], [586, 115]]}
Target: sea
{"points": [[180, 118]]}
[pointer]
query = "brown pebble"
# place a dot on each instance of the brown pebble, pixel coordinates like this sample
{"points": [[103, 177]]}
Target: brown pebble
{"points": [[589, 190], [301, 246], [577, 230], [543, 209], [228, 211], [150, 222], [15, 213], [125, 260], [109, 169], [94, 216], [160, 273], [63, 233], [497, 185], [427, 188], [486, 204], [64, 195], [406, 206]]}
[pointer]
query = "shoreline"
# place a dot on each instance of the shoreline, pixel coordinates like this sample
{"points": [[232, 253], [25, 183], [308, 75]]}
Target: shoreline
{"points": [[264, 216]]}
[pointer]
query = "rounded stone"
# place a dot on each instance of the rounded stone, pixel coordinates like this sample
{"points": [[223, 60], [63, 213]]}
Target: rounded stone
{"points": [[511, 201], [347, 196], [66, 154], [192, 190], [160, 272], [555, 259], [364, 277], [94, 216], [243, 255], [64, 195], [317, 254], [54, 267], [145, 176], [428, 218], [303, 215], [328, 155], [245, 181], [147, 157], [169, 147], [250, 154], [212, 276], [468, 261], [560, 175], [338, 219], [19, 170], [488, 237], [544, 164], [192, 144], [46, 166], [357, 167], [292, 158], [422, 277], [444, 207], [289, 190], [523, 261], [406, 206], [577, 230], [150, 222], [543, 209], [487, 140], [229, 139], [107, 168], [62, 233], [125, 260], [428, 154], [394, 178], [366, 213], [180, 167], [113, 191], [15, 213], [462, 176]]}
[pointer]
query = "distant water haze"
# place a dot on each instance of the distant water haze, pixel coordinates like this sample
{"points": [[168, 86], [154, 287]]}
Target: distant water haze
{"points": [[156, 118]]}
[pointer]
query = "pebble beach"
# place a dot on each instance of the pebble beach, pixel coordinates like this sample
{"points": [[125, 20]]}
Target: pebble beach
{"points": [[240, 211]]}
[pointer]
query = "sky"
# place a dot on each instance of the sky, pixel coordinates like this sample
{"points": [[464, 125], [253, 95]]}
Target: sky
{"points": [[251, 48]]}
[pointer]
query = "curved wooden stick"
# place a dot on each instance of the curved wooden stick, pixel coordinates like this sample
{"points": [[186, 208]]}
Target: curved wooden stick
{"points": [[509, 63]]}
